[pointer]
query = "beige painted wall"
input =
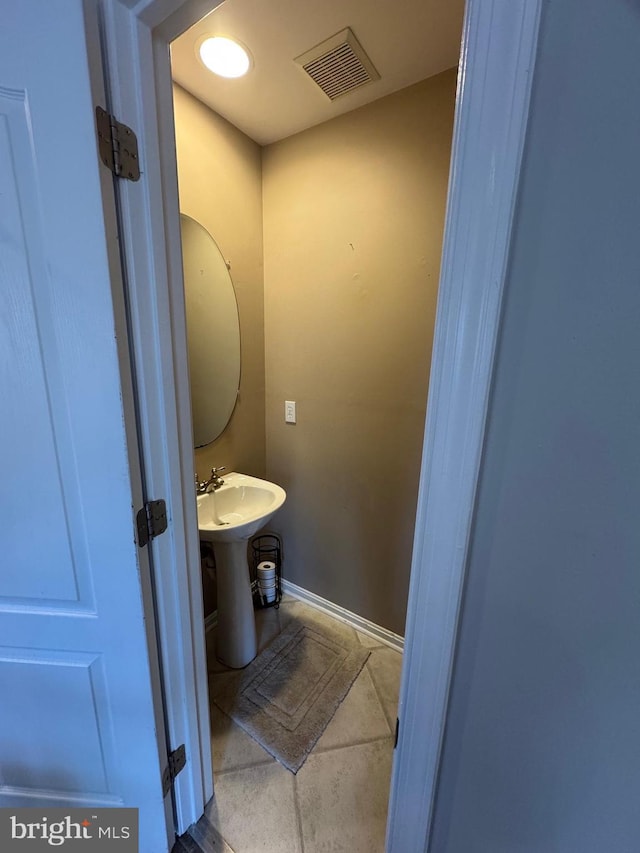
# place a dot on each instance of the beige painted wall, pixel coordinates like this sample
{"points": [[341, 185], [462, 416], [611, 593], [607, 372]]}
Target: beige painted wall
{"points": [[353, 222], [220, 183]]}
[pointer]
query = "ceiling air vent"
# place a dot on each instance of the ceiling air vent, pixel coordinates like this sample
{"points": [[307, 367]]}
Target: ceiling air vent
{"points": [[338, 65]]}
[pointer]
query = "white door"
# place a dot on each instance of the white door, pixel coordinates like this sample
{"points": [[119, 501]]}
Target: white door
{"points": [[78, 723]]}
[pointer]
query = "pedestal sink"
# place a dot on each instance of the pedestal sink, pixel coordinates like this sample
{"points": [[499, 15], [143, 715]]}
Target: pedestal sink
{"points": [[228, 517]]}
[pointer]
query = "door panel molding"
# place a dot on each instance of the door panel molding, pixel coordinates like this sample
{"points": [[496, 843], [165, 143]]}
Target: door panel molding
{"points": [[76, 663]]}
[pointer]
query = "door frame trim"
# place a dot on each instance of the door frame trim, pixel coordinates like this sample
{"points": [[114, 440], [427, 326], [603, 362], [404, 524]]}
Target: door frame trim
{"points": [[139, 85], [492, 109], [494, 87]]}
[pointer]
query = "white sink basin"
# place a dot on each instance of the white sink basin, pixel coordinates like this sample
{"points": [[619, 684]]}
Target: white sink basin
{"points": [[238, 509], [228, 517]]}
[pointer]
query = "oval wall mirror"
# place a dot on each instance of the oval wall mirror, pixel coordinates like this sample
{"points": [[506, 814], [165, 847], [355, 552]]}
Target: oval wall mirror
{"points": [[213, 332]]}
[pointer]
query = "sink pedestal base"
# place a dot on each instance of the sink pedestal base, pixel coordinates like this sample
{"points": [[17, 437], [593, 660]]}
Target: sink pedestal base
{"points": [[236, 643]]}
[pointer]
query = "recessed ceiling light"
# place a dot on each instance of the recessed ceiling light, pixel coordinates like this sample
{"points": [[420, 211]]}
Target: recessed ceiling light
{"points": [[224, 56]]}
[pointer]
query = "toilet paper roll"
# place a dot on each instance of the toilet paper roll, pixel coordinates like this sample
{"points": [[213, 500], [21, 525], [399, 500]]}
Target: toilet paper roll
{"points": [[266, 569]]}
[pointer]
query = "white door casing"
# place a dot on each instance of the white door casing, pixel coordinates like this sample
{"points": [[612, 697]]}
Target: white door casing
{"points": [[79, 721], [140, 95], [492, 109]]}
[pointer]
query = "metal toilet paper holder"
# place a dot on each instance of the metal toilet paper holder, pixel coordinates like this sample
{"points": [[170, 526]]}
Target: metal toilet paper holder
{"points": [[266, 547]]}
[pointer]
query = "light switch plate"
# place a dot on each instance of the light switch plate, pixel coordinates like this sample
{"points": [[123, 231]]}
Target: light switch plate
{"points": [[289, 412]]}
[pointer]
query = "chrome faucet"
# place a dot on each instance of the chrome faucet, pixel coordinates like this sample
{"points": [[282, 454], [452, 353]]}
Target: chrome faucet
{"points": [[214, 482]]}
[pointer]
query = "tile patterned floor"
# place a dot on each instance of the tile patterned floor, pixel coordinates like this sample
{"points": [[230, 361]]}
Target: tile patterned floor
{"points": [[338, 799]]}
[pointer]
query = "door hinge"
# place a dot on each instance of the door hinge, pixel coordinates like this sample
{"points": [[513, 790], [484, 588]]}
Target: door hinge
{"points": [[151, 521], [397, 732], [118, 146], [177, 760]]}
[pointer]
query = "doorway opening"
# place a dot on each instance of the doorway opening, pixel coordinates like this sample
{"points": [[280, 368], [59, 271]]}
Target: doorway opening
{"points": [[333, 234], [498, 54]]}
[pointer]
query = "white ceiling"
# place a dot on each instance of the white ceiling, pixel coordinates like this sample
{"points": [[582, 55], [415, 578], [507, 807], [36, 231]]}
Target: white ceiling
{"points": [[407, 41]]}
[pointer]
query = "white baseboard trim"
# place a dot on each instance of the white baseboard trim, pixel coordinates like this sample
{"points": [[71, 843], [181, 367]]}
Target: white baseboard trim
{"points": [[383, 635], [210, 621]]}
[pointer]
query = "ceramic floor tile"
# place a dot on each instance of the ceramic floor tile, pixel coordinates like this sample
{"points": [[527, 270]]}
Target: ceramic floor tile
{"points": [[301, 612], [359, 718], [207, 838], [218, 679], [287, 611], [254, 810], [213, 664], [367, 641], [342, 790], [342, 798], [233, 748], [385, 666], [269, 623]]}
